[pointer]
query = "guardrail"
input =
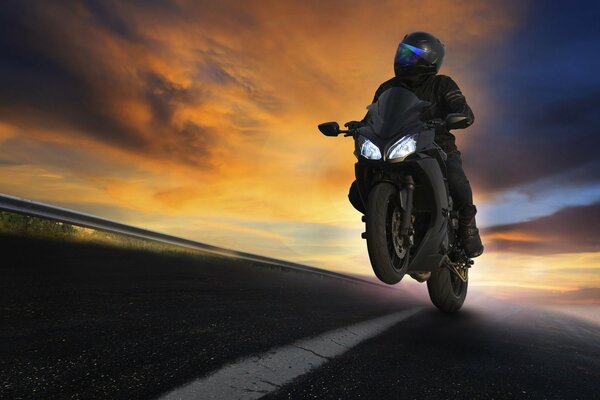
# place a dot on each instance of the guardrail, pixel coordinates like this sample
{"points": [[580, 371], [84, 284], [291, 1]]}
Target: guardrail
{"points": [[33, 208]]}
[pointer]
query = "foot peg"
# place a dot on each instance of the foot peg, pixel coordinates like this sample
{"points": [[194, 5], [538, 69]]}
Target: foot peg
{"points": [[363, 235]]}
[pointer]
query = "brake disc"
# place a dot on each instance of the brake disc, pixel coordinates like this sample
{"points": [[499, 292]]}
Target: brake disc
{"points": [[397, 239]]}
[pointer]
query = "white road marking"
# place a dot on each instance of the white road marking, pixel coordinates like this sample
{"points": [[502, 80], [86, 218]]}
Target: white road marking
{"points": [[254, 377]]}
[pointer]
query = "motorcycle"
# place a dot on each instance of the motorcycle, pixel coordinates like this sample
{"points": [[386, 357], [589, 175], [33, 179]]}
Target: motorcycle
{"points": [[411, 226]]}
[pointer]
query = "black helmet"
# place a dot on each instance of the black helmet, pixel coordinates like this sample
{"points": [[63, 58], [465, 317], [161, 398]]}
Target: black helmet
{"points": [[419, 53]]}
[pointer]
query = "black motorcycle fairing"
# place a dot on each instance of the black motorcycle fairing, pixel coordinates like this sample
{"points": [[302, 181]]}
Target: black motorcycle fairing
{"points": [[396, 113], [370, 172], [396, 110], [431, 195], [425, 140]]}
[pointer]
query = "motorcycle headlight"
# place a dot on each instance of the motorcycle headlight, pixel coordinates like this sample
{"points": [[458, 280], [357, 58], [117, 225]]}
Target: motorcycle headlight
{"points": [[403, 147], [368, 149]]}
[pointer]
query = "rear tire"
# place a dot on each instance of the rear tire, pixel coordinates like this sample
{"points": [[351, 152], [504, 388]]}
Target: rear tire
{"points": [[383, 202], [446, 291]]}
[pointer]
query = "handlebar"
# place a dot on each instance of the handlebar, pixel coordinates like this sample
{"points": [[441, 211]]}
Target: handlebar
{"points": [[353, 129], [332, 128], [348, 132]]}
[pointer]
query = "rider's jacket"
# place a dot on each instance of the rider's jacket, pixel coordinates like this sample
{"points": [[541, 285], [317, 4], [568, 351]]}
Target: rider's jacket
{"points": [[445, 98]]}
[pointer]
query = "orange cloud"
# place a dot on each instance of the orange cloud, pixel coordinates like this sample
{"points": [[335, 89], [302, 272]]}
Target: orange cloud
{"points": [[6, 131], [513, 236]]}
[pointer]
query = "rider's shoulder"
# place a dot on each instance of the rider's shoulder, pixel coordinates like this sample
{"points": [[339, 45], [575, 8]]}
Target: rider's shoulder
{"points": [[443, 79], [388, 84]]}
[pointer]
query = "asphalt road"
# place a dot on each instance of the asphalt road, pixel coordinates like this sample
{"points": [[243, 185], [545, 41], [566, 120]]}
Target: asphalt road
{"points": [[86, 321]]}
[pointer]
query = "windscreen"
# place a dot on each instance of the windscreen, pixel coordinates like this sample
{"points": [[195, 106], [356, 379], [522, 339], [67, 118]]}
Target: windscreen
{"points": [[397, 110]]}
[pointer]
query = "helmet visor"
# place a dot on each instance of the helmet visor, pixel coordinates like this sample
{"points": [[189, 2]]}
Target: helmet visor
{"points": [[408, 55]]}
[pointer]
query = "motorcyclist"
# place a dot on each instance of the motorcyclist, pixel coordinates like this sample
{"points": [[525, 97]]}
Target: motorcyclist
{"points": [[416, 66]]}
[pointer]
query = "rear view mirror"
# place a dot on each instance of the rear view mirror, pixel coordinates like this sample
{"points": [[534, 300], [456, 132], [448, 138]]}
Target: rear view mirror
{"points": [[329, 128], [456, 121]]}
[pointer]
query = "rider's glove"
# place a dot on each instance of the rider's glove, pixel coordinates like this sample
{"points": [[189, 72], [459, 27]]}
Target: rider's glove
{"points": [[353, 125]]}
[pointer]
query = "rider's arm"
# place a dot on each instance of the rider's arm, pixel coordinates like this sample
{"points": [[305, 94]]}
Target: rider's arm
{"points": [[455, 100]]}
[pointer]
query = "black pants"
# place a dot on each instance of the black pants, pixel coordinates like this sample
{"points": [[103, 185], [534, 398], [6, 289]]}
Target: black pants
{"points": [[460, 189]]}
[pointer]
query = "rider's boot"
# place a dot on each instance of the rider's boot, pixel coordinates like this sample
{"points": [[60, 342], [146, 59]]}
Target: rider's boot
{"points": [[470, 238]]}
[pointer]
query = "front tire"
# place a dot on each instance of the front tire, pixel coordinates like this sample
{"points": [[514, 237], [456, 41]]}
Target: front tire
{"points": [[446, 290], [385, 251]]}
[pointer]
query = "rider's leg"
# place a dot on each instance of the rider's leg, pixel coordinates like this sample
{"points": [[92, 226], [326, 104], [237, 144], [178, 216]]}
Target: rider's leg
{"points": [[462, 195]]}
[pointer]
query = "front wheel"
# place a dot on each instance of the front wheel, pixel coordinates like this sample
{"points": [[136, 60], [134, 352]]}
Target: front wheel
{"points": [[447, 290], [388, 251]]}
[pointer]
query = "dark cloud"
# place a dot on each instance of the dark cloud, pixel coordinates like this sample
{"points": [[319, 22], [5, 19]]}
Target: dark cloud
{"points": [[197, 142], [163, 96], [546, 96], [116, 16], [56, 75], [570, 230], [103, 13], [9, 163], [211, 70], [40, 87], [543, 140]]}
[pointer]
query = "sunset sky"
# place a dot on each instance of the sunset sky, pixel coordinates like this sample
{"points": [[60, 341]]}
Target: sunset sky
{"points": [[198, 119]]}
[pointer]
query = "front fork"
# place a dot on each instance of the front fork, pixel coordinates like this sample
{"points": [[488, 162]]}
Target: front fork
{"points": [[405, 224]]}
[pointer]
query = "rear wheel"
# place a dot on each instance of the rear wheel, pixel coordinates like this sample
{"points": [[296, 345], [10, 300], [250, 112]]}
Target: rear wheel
{"points": [[447, 290], [388, 251]]}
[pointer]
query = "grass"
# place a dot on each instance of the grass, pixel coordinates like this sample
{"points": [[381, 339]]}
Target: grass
{"points": [[42, 228]]}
